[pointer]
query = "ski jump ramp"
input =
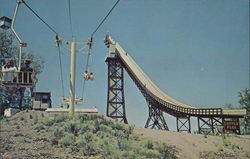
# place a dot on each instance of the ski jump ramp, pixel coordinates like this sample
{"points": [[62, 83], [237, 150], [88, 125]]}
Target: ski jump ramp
{"points": [[156, 98]]}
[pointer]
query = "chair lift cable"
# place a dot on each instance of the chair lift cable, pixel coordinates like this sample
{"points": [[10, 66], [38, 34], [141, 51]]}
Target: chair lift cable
{"points": [[60, 63], [105, 18], [57, 38], [39, 17], [90, 42], [70, 19]]}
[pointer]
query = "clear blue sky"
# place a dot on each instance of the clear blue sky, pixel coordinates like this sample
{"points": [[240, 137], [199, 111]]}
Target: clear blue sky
{"points": [[197, 51]]}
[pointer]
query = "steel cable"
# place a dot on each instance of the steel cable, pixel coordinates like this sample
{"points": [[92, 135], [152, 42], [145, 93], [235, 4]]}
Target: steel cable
{"points": [[61, 71], [105, 18], [39, 17], [70, 19]]}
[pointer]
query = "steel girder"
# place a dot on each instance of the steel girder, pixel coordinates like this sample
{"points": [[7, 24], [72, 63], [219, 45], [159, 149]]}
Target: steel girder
{"points": [[156, 118], [210, 125], [115, 97], [183, 123]]}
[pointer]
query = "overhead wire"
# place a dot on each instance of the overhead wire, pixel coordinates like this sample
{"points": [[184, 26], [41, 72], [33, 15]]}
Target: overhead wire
{"points": [[87, 63], [103, 20], [53, 30], [91, 42], [70, 19], [60, 64], [57, 40]]}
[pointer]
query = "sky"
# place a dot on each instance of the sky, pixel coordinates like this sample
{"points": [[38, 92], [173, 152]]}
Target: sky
{"points": [[196, 51]]}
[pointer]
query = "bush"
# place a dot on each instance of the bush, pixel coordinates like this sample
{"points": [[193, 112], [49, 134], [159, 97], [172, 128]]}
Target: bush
{"points": [[67, 140], [149, 144], [166, 151], [106, 129], [48, 121], [39, 127], [35, 120], [71, 127], [117, 126], [91, 135], [124, 145], [151, 154], [86, 128], [60, 118], [58, 133]]}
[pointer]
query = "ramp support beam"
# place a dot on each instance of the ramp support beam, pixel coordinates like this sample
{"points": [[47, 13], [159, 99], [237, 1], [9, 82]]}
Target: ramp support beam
{"points": [[183, 124], [156, 119], [210, 125], [115, 97]]}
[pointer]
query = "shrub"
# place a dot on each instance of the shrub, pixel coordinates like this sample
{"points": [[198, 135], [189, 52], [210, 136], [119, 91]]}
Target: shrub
{"points": [[58, 133], [117, 126], [91, 149], [106, 129], [72, 127], [226, 142], [85, 128], [39, 127], [48, 121], [90, 137], [60, 118], [106, 122], [151, 154], [35, 120], [149, 144], [166, 151], [67, 140], [93, 136], [124, 145], [81, 117], [80, 141]]}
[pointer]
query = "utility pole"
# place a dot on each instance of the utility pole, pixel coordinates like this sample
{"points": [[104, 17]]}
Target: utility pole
{"points": [[72, 100], [72, 78]]}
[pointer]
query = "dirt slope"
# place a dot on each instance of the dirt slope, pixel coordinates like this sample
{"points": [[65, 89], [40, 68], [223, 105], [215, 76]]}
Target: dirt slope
{"points": [[196, 146]]}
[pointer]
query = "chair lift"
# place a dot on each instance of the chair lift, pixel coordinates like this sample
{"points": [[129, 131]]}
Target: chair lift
{"points": [[67, 100], [10, 74], [88, 75], [5, 22]]}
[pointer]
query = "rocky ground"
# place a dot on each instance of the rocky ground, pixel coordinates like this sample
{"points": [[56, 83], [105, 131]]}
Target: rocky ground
{"points": [[19, 138]]}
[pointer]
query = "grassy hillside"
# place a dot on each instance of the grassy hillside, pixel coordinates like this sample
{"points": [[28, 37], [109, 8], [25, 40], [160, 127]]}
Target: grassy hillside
{"points": [[33, 134]]}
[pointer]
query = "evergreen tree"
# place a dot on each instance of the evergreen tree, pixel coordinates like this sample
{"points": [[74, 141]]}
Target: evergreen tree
{"points": [[245, 103]]}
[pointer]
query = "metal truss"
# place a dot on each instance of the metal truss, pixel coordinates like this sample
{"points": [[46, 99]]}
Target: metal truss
{"points": [[156, 118], [115, 97], [183, 124], [210, 125]]}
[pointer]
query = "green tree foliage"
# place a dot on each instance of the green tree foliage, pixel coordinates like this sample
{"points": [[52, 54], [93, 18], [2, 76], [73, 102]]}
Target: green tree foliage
{"points": [[245, 103], [245, 99], [228, 106], [9, 50]]}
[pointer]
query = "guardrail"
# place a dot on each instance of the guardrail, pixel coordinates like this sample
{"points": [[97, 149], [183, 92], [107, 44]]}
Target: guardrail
{"points": [[176, 108], [21, 78]]}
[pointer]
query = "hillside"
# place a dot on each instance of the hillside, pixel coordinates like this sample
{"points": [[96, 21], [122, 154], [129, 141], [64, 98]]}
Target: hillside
{"points": [[31, 134]]}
